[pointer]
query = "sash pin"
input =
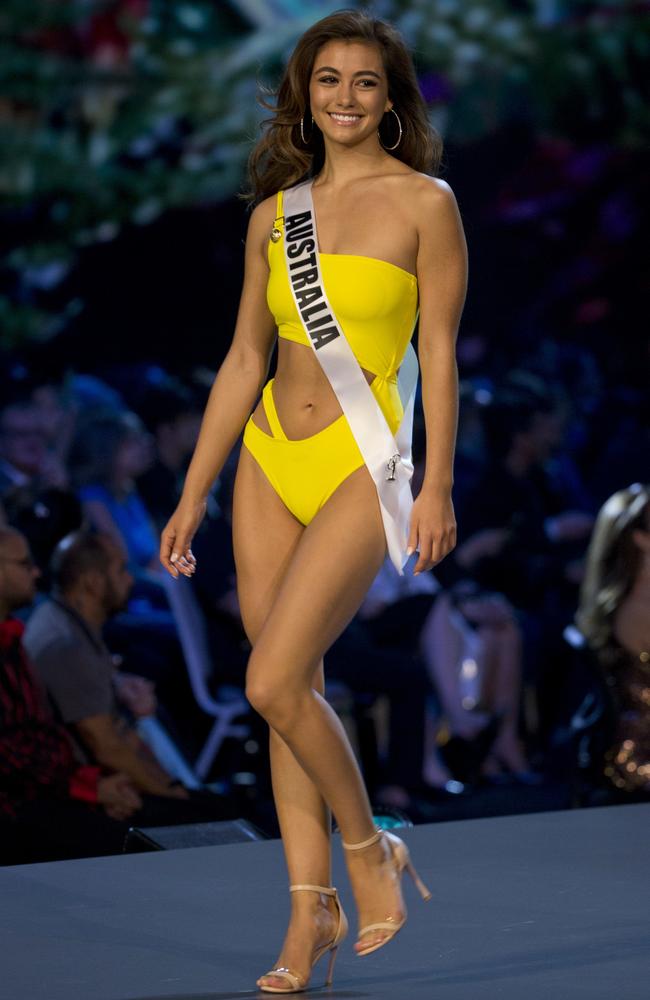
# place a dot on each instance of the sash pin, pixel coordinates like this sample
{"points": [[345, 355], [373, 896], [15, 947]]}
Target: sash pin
{"points": [[390, 465]]}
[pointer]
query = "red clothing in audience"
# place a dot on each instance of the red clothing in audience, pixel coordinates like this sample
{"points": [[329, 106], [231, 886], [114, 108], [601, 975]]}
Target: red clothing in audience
{"points": [[36, 754]]}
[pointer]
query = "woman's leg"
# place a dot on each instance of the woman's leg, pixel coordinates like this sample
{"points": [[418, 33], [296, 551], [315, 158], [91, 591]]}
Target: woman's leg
{"points": [[502, 695], [441, 646], [336, 559], [329, 573], [265, 535]]}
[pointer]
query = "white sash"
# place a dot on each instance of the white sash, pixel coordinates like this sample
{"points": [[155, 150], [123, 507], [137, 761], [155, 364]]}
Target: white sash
{"points": [[387, 457]]}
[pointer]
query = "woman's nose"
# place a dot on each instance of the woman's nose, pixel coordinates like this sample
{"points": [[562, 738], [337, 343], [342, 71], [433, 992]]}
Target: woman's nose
{"points": [[344, 96]]}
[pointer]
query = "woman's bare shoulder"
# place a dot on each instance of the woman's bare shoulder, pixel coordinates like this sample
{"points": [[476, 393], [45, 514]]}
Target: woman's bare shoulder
{"points": [[431, 205], [426, 192], [260, 223]]}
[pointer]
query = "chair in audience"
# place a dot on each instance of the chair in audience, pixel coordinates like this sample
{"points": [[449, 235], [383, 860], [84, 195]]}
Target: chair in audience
{"points": [[196, 653]]}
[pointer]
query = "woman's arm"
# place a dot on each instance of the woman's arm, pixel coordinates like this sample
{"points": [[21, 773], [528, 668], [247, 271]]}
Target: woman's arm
{"points": [[233, 394], [442, 282]]}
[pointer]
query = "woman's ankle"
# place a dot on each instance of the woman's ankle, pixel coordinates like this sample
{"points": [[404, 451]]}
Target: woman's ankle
{"points": [[310, 902]]}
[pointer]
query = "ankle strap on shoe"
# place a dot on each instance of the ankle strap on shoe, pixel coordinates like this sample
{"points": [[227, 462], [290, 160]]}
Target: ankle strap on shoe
{"points": [[364, 843], [326, 889]]}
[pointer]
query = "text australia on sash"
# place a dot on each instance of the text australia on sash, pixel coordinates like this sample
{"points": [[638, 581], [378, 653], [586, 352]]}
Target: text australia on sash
{"points": [[304, 277]]}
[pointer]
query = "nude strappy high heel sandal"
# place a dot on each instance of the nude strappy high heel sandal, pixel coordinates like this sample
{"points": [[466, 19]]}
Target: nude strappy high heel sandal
{"points": [[295, 983], [400, 859]]}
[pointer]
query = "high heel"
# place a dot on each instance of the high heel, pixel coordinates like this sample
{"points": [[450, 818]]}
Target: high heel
{"points": [[400, 859], [295, 983]]}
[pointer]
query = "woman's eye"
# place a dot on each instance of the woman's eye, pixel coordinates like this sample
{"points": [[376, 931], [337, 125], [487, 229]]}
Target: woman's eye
{"points": [[333, 79]]}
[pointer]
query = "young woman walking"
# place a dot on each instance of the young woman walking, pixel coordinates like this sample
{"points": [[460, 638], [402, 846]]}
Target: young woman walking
{"points": [[350, 237]]}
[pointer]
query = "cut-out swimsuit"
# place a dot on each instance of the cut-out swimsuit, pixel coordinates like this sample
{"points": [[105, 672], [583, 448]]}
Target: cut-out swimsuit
{"points": [[376, 304]]}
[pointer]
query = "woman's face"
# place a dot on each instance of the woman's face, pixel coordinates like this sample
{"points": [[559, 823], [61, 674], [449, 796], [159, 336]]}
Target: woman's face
{"points": [[348, 92]]}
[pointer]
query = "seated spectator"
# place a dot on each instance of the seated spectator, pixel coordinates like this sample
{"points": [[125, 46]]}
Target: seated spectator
{"points": [[470, 648], [614, 619], [51, 805], [40, 768], [25, 460], [64, 642], [110, 450], [44, 516], [173, 416], [58, 409], [522, 532], [471, 644], [517, 533]]}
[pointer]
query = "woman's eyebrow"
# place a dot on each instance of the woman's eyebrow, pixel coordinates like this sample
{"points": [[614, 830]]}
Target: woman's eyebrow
{"points": [[359, 72]]}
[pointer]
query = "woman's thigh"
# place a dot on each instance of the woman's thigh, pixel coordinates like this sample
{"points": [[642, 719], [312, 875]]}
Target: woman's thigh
{"points": [[325, 575], [265, 536]]}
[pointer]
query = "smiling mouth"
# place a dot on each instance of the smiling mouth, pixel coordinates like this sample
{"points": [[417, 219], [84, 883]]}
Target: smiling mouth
{"points": [[344, 119]]}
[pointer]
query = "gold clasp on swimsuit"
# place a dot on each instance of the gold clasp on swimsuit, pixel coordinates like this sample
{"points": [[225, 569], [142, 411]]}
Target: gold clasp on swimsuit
{"points": [[390, 465], [275, 234]]}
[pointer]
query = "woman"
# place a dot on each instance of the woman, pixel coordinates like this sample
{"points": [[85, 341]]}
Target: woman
{"points": [[471, 644], [307, 526], [109, 452], [614, 619]]}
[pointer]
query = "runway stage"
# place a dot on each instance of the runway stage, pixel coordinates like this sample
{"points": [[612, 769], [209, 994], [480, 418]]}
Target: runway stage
{"points": [[544, 906]]}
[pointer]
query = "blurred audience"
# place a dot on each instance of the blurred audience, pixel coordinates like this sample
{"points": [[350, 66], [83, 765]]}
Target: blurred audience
{"points": [[469, 646], [47, 796], [64, 643], [519, 529], [478, 643], [48, 792], [172, 416], [109, 451], [25, 460]]}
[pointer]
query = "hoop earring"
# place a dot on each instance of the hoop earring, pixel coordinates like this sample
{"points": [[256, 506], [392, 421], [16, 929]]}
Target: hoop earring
{"points": [[399, 138], [302, 130]]}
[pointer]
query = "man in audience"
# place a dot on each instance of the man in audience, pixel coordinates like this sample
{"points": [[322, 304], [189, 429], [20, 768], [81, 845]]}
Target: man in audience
{"points": [[51, 806], [40, 767], [63, 639], [64, 643]]}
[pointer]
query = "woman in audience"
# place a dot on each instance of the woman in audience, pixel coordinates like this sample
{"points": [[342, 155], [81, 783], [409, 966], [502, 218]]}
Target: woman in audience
{"points": [[109, 451], [614, 618], [470, 645]]}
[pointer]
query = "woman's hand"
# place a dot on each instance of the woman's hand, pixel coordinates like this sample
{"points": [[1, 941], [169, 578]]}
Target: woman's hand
{"points": [[433, 527], [175, 542]]}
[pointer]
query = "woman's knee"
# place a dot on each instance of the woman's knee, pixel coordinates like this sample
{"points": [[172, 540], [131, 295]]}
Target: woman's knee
{"points": [[271, 693]]}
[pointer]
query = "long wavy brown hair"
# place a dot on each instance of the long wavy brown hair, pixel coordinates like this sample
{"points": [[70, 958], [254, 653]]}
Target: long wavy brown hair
{"points": [[613, 560], [280, 158]]}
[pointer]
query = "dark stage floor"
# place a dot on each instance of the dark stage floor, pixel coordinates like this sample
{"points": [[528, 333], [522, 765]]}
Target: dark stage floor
{"points": [[546, 906]]}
